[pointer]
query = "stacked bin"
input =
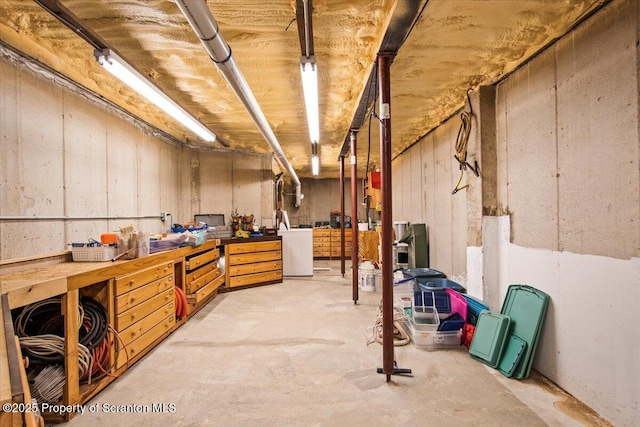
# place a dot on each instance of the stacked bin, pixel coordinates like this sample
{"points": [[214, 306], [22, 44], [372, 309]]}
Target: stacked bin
{"points": [[429, 299]]}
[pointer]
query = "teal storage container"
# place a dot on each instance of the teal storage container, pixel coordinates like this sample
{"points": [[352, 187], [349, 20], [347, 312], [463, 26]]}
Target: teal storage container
{"points": [[489, 338], [526, 307]]}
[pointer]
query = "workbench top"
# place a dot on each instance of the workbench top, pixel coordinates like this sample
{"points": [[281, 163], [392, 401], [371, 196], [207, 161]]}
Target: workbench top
{"points": [[38, 283]]}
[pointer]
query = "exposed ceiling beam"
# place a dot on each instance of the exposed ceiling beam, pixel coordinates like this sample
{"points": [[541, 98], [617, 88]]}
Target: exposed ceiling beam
{"points": [[401, 23]]}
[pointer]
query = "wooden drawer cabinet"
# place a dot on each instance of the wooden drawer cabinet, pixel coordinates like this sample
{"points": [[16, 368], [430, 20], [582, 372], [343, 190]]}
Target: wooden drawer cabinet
{"points": [[129, 317], [131, 299], [327, 243], [249, 258], [142, 344], [251, 279], [204, 258], [144, 310], [244, 248], [258, 267], [137, 329], [203, 277], [132, 281], [251, 263]]}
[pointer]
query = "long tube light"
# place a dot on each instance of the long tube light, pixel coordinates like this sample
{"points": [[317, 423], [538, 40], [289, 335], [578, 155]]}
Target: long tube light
{"points": [[136, 81], [315, 160], [309, 70]]}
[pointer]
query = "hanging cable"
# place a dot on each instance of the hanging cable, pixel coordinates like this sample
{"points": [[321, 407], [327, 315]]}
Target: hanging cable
{"points": [[462, 141]]}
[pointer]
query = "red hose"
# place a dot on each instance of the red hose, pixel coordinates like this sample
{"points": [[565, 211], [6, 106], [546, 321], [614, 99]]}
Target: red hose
{"points": [[181, 303]]}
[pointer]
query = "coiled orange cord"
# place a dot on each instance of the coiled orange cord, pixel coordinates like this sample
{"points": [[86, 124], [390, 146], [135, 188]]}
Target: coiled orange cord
{"points": [[181, 303]]}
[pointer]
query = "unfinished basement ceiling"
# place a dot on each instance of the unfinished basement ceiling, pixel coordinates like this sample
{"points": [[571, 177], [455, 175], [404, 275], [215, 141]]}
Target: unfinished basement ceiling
{"points": [[455, 45]]}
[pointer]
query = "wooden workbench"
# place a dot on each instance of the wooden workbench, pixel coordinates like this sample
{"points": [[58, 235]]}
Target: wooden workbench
{"points": [[28, 280]]}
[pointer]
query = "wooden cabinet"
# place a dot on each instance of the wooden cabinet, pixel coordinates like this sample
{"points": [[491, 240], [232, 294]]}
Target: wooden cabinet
{"points": [[321, 242], [368, 246], [253, 262], [144, 310], [139, 296], [203, 277], [327, 243]]}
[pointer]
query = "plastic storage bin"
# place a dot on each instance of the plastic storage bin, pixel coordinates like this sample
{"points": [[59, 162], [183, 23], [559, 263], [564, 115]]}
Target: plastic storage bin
{"points": [[427, 298], [458, 303], [424, 318], [489, 338], [437, 284], [526, 306], [93, 253], [177, 228], [432, 340], [474, 308], [422, 273]]}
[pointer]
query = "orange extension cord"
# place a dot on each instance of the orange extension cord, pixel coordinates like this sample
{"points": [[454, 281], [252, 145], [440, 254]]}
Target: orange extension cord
{"points": [[100, 355], [181, 303]]}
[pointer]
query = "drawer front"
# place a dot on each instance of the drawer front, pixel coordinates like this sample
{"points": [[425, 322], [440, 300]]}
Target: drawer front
{"points": [[321, 240], [143, 325], [321, 252], [321, 244], [132, 281], [259, 267], [129, 317], [200, 260], [197, 274], [256, 257], [197, 284], [321, 232], [243, 248], [205, 291], [143, 293], [250, 279], [337, 252], [145, 340]]}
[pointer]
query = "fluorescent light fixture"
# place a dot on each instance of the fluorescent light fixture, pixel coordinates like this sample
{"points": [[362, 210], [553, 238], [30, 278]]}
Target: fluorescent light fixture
{"points": [[136, 81], [315, 160], [309, 70]]}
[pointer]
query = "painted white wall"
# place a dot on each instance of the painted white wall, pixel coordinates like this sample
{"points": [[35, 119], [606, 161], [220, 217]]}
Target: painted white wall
{"points": [[589, 342]]}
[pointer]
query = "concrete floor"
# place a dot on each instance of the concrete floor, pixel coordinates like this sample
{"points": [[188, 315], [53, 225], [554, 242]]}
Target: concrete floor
{"points": [[296, 354]]}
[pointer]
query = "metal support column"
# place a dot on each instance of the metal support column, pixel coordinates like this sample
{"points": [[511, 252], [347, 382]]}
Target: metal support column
{"points": [[384, 77], [353, 137], [342, 251]]}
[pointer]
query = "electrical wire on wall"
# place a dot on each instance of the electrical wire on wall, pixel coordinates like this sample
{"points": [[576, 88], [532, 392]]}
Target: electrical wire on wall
{"points": [[462, 142]]}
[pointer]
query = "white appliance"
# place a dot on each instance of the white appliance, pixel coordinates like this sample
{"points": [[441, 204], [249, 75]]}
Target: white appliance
{"points": [[297, 252]]}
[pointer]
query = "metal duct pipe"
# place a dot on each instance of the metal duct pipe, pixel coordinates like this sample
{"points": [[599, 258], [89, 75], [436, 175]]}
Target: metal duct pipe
{"points": [[206, 28]]}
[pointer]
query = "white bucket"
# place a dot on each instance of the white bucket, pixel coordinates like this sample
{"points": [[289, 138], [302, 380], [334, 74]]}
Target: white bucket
{"points": [[367, 277], [363, 226]]}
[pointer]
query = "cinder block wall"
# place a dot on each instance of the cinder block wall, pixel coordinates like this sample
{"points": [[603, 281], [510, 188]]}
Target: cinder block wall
{"points": [[559, 199]]}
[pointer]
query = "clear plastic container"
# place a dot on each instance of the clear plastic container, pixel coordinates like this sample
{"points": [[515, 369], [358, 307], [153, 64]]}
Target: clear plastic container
{"points": [[432, 339]]}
